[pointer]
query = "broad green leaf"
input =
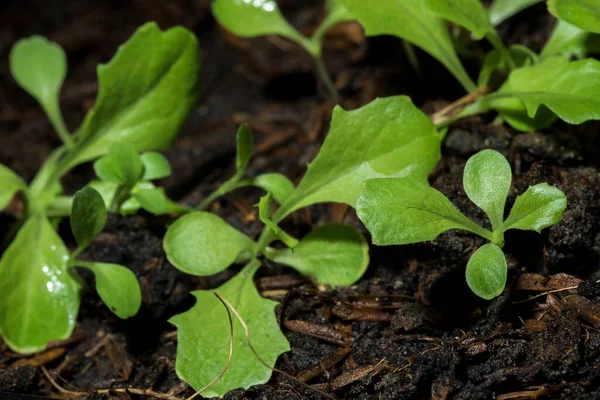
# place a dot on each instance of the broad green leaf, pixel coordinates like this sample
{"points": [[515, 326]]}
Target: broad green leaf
{"points": [[201, 243], [88, 216], [156, 166], [404, 210], [334, 254], [122, 165], [147, 111], [40, 67], [244, 149], [501, 10], [469, 14], [486, 272], [566, 39], [413, 21], [203, 335], [487, 180], [275, 183], [389, 137], [117, 286], [584, 14], [569, 89], [10, 183], [264, 211], [539, 207], [156, 202], [39, 298]]}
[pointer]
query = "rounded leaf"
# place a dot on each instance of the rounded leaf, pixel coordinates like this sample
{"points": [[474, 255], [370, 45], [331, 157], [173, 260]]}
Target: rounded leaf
{"points": [[156, 166], [539, 207], [486, 272], [88, 216]]}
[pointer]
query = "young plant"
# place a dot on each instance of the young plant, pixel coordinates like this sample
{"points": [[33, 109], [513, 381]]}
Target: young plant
{"points": [[252, 18], [386, 138], [144, 97], [406, 210]]}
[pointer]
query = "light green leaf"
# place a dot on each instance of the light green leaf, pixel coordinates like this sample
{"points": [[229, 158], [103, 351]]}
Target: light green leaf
{"points": [[88, 216], [413, 21], [278, 184], [117, 286], [201, 243], [514, 113], [487, 271], [156, 166], [387, 138], [122, 165], [566, 39], [469, 14], [539, 207], [10, 183], [584, 14], [334, 254], [39, 298], [264, 211], [487, 180], [156, 202], [404, 210], [245, 145], [501, 10], [203, 336], [147, 111]]}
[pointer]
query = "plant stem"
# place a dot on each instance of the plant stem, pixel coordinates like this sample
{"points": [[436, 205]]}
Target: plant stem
{"points": [[495, 40], [55, 117], [60, 206], [324, 77], [226, 187], [454, 111]]}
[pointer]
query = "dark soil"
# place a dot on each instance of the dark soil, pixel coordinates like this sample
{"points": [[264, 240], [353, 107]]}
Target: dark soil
{"points": [[416, 330]]}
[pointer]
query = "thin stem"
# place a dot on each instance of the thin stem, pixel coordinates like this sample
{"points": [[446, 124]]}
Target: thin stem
{"points": [[226, 187], [451, 112], [495, 40], [55, 117], [323, 75], [60, 207]]}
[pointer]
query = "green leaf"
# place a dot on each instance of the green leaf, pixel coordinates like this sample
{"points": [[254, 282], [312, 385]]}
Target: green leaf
{"points": [[10, 183], [117, 286], [569, 89], [404, 210], [566, 39], [156, 166], [244, 149], [39, 298], [469, 14], [201, 243], [122, 165], [203, 335], [334, 254], [88, 216], [539, 207], [336, 13], [107, 190], [501, 10], [264, 211], [156, 202], [486, 272], [584, 14], [514, 113], [387, 138], [487, 180], [147, 111], [275, 183], [413, 21]]}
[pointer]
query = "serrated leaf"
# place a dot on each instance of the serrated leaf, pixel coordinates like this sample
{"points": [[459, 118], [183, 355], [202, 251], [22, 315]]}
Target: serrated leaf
{"points": [[387, 138], [117, 286], [88, 216], [469, 14], [501, 10], [404, 210], [203, 335], [275, 183], [155, 201], [264, 211], [156, 166], [413, 21], [487, 180], [201, 243], [122, 165], [487, 271], [39, 298], [147, 111], [10, 184], [334, 254], [245, 145], [567, 40], [584, 14], [539, 207]]}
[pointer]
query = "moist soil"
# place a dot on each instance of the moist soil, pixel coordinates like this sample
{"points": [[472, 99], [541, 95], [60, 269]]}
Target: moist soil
{"points": [[410, 328]]}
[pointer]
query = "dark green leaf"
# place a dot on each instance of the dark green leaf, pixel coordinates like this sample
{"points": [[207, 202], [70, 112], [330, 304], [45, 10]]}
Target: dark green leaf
{"points": [[245, 144], [88, 216]]}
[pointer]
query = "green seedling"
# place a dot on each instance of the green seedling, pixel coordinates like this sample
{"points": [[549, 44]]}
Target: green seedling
{"points": [[252, 18], [39, 290], [561, 88], [387, 138], [403, 211]]}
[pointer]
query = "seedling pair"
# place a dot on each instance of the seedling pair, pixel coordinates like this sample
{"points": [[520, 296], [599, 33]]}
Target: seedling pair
{"points": [[39, 288]]}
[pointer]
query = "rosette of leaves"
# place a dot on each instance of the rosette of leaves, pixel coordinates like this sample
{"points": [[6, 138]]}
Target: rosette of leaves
{"points": [[143, 99], [404, 211], [387, 138]]}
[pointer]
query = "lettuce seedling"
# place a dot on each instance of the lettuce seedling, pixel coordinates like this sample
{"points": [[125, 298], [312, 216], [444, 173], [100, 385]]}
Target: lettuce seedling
{"points": [[406, 210], [386, 138], [143, 99], [252, 18]]}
